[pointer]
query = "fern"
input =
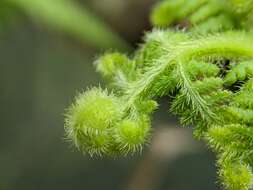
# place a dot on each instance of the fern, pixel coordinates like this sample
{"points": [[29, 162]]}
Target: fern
{"points": [[206, 15], [208, 72]]}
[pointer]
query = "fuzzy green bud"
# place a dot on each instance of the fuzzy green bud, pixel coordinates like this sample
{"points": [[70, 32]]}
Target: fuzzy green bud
{"points": [[236, 176], [110, 63], [90, 119], [130, 136]]}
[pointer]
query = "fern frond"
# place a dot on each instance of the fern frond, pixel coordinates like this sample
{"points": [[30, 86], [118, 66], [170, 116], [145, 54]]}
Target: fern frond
{"points": [[207, 74]]}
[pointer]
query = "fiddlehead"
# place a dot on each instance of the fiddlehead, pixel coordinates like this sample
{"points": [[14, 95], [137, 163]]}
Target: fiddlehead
{"points": [[208, 76]]}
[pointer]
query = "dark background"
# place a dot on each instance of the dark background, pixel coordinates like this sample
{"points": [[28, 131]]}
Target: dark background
{"points": [[41, 70]]}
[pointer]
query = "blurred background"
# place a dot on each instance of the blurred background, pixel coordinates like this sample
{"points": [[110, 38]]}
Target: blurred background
{"points": [[46, 52]]}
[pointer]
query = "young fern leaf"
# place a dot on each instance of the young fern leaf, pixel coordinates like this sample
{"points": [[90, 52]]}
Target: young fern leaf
{"points": [[208, 75], [189, 97]]}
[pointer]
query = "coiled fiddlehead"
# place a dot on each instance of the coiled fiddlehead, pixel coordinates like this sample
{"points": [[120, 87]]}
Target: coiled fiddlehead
{"points": [[96, 125], [209, 76]]}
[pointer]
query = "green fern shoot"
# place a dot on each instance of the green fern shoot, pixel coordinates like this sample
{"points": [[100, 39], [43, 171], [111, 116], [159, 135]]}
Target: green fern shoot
{"points": [[201, 55]]}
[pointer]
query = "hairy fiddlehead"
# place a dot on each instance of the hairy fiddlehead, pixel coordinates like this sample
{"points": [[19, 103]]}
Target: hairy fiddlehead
{"points": [[209, 75]]}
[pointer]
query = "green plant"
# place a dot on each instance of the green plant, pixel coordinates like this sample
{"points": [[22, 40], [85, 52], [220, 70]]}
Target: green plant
{"points": [[208, 72]]}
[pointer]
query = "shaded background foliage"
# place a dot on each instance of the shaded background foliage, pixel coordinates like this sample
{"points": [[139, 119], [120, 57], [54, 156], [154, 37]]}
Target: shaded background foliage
{"points": [[41, 71]]}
